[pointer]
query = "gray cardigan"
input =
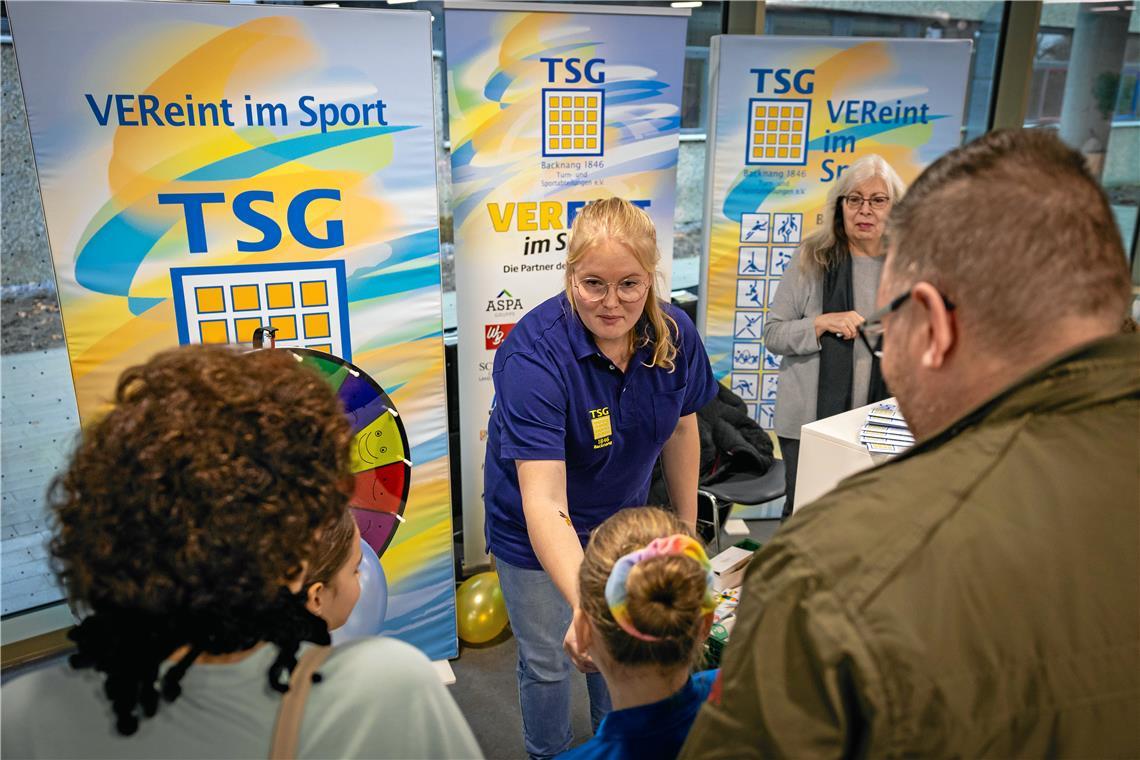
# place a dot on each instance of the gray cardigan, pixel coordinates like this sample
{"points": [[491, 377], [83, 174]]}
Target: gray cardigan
{"points": [[789, 330]]}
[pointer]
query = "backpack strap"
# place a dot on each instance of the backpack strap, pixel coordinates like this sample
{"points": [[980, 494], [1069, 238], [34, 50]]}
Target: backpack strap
{"points": [[288, 728]]}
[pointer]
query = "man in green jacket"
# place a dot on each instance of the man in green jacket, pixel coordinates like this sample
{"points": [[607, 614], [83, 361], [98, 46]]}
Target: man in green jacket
{"points": [[980, 595]]}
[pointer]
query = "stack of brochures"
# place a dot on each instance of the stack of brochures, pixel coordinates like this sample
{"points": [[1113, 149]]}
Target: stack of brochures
{"points": [[724, 618], [885, 431]]}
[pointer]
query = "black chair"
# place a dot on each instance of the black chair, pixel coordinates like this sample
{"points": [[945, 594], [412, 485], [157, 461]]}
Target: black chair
{"points": [[715, 501]]}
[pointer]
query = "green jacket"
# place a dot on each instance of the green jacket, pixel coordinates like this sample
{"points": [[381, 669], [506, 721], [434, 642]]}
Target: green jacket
{"points": [[977, 597]]}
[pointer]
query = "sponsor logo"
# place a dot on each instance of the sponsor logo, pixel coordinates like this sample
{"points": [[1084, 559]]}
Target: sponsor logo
{"points": [[603, 430], [503, 302], [494, 335], [778, 132], [573, 122]]}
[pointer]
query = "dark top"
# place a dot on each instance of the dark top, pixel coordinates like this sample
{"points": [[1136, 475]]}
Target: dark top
{"points": [[557, 397], [652, 732]]}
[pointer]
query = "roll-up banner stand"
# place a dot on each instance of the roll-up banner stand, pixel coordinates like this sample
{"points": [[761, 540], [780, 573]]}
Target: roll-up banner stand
{"points": [[551, 107], [207, 169], [789, 114]]}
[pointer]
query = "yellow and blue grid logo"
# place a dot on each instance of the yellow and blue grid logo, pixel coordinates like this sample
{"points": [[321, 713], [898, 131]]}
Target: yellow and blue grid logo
{"points": [[777, 131], [306, 302], [572, 122]]}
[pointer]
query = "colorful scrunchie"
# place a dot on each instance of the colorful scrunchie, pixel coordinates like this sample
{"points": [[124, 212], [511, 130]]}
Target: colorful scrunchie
{"points": [[677, 545]]}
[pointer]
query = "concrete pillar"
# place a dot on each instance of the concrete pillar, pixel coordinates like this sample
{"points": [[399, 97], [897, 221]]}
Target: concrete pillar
{"points": [[1093, 79]]}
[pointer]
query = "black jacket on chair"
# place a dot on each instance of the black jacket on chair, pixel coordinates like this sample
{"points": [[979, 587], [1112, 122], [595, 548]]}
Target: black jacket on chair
{"points": [[731, 441]]}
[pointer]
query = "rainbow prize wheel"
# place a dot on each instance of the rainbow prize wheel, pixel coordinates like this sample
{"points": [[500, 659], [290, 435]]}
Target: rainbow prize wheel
{"points": [[379, 447]]}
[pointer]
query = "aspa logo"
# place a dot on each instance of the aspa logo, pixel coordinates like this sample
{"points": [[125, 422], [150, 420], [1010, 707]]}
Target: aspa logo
{"points": [[494, 335], [504, 302]]}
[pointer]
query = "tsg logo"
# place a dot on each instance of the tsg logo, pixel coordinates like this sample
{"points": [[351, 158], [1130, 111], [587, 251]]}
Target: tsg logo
{"points": [[503, 302], [778, 128], [573, 118], [494, 335]]}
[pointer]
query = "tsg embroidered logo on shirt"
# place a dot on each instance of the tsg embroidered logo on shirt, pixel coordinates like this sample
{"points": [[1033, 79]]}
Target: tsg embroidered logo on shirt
{"points": [[603, 431]]}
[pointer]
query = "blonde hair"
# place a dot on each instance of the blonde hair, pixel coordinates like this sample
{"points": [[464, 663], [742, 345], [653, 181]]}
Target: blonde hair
{"points": [[820, 250], [618, 221], [664, 593]]}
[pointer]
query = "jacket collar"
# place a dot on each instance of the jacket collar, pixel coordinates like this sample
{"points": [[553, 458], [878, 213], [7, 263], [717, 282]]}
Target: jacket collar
{"points": [[1091, 374]]}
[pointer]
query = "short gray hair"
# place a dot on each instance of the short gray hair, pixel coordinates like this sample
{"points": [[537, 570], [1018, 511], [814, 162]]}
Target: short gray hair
{"points": [[1015, 230]]}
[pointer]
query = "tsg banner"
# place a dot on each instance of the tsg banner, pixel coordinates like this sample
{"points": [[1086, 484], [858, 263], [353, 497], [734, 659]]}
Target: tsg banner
{"points": [[789, 115], [551, 107], [208, 169]]}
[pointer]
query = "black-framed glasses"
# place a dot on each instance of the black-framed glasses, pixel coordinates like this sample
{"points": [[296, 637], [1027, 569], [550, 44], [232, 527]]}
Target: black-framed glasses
{"points": [[872, 330], [856, 201], [594, 289]]}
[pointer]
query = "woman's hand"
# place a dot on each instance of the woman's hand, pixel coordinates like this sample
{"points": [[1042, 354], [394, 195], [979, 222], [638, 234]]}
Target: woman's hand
{"points": [[843, 324], [577, 654]]}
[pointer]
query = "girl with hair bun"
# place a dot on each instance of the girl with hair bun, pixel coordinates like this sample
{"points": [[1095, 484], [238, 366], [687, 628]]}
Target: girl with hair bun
{"points": [[646, 605]]}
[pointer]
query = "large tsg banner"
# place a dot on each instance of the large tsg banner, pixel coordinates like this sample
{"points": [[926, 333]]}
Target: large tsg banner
{"points": [[789, 115], [208, 169], [551, 107]]}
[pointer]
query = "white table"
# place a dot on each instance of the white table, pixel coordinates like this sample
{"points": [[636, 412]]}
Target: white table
{"points": [[830, 451]]}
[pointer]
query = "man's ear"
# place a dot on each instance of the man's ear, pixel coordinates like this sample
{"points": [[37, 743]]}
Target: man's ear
{"points": [[940, 332], [583, 631], [313, 598]]}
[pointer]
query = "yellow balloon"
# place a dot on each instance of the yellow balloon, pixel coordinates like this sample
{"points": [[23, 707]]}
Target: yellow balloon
{"points": [[480, 611]]}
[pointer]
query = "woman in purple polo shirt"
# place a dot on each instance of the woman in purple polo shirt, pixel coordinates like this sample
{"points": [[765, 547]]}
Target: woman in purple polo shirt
{"points": [[591, 387]]}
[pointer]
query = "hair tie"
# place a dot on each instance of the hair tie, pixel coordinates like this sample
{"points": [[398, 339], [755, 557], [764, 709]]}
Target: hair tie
{"points": [[677, 545]]}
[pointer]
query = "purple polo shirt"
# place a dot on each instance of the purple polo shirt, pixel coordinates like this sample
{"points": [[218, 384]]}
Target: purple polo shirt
{"points": [[557, 397]]}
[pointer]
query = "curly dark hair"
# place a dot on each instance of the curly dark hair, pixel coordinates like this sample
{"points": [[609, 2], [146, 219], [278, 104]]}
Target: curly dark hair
{"points": [[188, 509]]}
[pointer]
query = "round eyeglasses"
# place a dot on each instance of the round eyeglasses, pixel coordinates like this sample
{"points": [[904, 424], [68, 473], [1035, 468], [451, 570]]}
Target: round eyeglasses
{"points": [[855, 202], [594, 289]]}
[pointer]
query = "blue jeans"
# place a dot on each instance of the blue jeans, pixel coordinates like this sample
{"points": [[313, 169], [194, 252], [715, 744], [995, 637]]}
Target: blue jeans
{"points": [[539, 619]]}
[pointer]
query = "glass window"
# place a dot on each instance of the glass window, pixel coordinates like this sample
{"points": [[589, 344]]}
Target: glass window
{"points": [[795, 23], [1085, 84], [694, 104], [977, 21], [38, 406]]}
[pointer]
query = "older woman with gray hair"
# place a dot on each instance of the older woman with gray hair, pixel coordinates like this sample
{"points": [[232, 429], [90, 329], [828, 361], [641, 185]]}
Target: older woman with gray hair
{"points": [[823, 297]]}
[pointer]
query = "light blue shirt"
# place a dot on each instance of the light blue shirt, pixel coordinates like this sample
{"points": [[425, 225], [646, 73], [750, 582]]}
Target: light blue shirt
{"points": [[377, 698]]}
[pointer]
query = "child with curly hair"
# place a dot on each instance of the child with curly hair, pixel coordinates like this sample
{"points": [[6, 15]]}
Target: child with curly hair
{"points": [[646, 604], [184, 529]]}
